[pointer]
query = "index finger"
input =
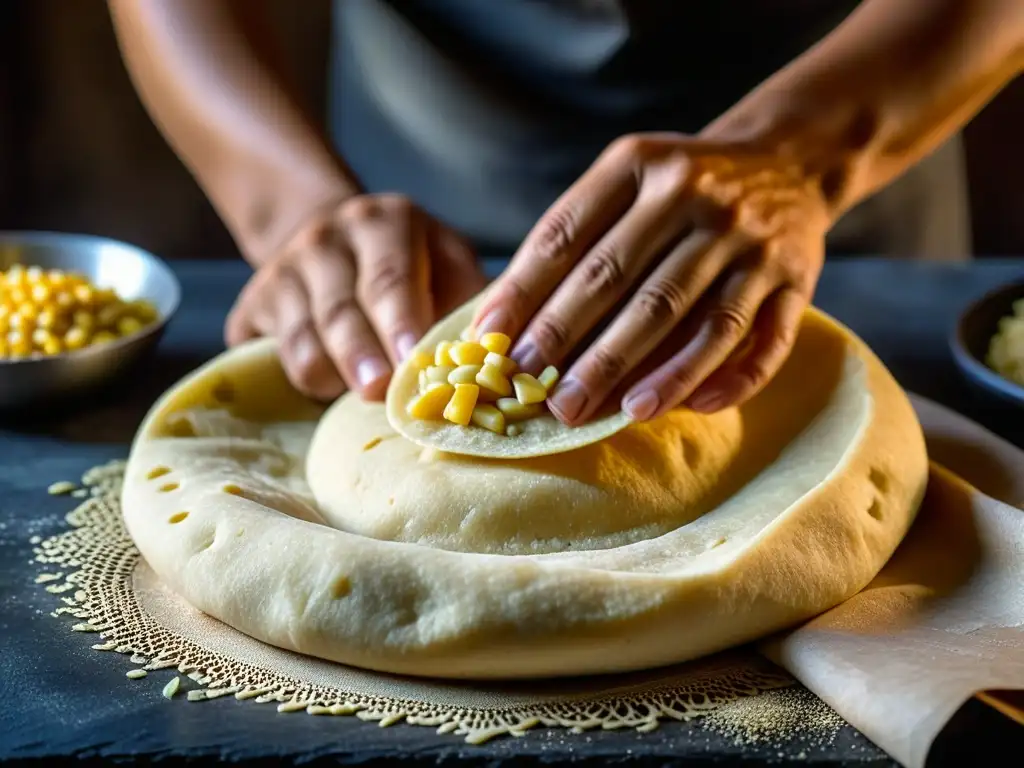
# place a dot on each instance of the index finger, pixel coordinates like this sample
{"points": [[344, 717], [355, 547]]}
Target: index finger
{"points": [[556, 242]]}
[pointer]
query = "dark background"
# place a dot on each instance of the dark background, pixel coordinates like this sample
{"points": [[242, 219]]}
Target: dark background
{"points": [[78, 153]]}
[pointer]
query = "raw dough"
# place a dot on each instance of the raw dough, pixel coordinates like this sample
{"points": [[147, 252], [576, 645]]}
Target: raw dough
{"points": [[541, 436], [662, 543]]}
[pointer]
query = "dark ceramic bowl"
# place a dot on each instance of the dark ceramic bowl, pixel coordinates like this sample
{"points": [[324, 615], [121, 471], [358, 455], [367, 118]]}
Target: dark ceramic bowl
{"points": [[970, 340]]}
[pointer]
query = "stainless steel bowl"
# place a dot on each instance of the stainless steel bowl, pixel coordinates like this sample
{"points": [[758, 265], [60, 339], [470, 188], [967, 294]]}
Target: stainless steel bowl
{"points": [[132, 272]]}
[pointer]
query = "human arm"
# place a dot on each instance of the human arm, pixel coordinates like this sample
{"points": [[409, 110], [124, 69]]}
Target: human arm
{"points": [[712, 245], [344, 280]]}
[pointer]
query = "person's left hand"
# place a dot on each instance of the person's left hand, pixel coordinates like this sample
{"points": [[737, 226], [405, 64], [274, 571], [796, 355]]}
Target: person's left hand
{"points": [[699, 257]]}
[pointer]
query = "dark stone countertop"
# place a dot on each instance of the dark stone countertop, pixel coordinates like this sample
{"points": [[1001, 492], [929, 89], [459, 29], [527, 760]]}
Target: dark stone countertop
{"points": [[62, 700]]}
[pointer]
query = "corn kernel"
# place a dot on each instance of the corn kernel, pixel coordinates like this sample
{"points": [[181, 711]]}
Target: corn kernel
{"points": [[76, 338], [439, 373], [489, 417], [460, 408], [498, 343], [491, 378], [108, 315], [18, 296], [106, 296], [442, 354], [40, 336], [464, 374], [28, 311], [34, 274], [3, 348], [431, 404], [15, 275], [52, 347], [147, 313], [84, 294], [127, 326], [420, 360], [549, 377], [468, 353], [506, 365], [103, 337], [84, 320], [47, 319], [528, 389], [41, 293], [513, 430], [421, 381], [18, 343], [64, 299], [56, 278], [516, 411]]}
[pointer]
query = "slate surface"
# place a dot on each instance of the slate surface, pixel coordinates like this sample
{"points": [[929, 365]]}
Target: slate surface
{"points": [[62, 700]]}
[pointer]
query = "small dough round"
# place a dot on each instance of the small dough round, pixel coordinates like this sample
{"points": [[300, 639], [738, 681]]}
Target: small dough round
{"points": [[540, 436], [331, 535]]}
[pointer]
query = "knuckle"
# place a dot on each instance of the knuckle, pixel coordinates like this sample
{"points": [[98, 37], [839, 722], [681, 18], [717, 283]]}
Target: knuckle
{"points": [[607, 365], [550, 335], [627, 147], [603, 272], [318, 235], [729, 321], [337, 312], [395, 203], [361, 207], [391, 275], [555, 235], [662, 302]]}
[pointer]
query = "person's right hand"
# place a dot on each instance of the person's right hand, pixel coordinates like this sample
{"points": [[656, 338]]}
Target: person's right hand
{"points": [[351, 293]]}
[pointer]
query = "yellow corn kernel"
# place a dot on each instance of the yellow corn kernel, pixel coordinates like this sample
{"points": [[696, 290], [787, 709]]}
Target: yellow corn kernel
{"points": [[106, 296], [513, 430], [47, 319], [439, 373], [421, 381], [52, 347], [506, 365], [41, 293], [442, 354], [108, 315], [64, 299], [84, 294], [103, 337], [516, 411], [489, 417], [126, 326], [19, 344], [3, 348], [468, 353], [498, 343], [84, 320], [18, 296], [420, 360], [431, 404], [40, 336], [528, 389], [491, 378], [34, 274], [76, 338], [460, 408], [464, 374], [549, 377], [147, 313], [15, 275], [56, 278]]}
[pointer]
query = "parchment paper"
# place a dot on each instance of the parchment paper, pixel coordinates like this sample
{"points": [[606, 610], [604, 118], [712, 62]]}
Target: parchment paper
{"points": [[942, 626]]}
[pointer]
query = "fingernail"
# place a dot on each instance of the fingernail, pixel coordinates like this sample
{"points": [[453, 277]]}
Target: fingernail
{"points": [[528, 357], [642, 405], [706, 402], [404, 344], [495, 320], [371, 369], [568, 400]]}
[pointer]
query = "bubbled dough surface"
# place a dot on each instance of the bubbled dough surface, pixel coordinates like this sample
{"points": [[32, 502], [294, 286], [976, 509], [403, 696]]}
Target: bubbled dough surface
{"points": [[808, 490]]}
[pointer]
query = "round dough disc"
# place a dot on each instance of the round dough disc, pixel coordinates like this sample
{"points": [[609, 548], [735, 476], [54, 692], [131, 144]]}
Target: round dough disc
{"points": [[330, 534]]}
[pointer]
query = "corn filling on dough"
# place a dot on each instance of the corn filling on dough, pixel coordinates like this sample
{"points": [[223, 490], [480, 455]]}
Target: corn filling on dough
{"points": [[364, 535]]}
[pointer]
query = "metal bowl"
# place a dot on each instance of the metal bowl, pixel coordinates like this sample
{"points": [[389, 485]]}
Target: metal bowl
{"points": [[132, 272], [971, 336]]}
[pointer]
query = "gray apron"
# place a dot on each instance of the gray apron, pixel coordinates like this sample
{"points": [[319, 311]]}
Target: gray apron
{"points": [[484, 111]]}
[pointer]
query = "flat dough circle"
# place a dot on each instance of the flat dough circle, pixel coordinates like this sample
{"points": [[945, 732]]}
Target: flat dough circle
{"points": [[802, 499]]}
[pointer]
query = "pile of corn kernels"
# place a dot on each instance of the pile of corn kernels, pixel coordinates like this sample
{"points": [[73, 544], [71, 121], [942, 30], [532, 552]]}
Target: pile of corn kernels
{"points": [[46, 312]]}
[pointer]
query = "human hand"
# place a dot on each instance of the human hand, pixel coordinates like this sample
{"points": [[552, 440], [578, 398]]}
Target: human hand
{"points": [[701, 256], [351, 293]]}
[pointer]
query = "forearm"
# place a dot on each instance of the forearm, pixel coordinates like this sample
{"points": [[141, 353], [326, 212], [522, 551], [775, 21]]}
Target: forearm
{"points": [[206, 71], [887, 87]]}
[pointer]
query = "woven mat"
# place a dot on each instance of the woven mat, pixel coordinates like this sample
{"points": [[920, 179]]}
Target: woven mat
{"points": [[108, 589]]}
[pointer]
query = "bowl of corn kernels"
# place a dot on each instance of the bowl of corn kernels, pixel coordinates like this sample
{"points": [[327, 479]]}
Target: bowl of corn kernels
{"points": [[75, 312]]}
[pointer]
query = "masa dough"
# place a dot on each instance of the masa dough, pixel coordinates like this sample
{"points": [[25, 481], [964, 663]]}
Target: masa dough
{"points": [[331, 535]]}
